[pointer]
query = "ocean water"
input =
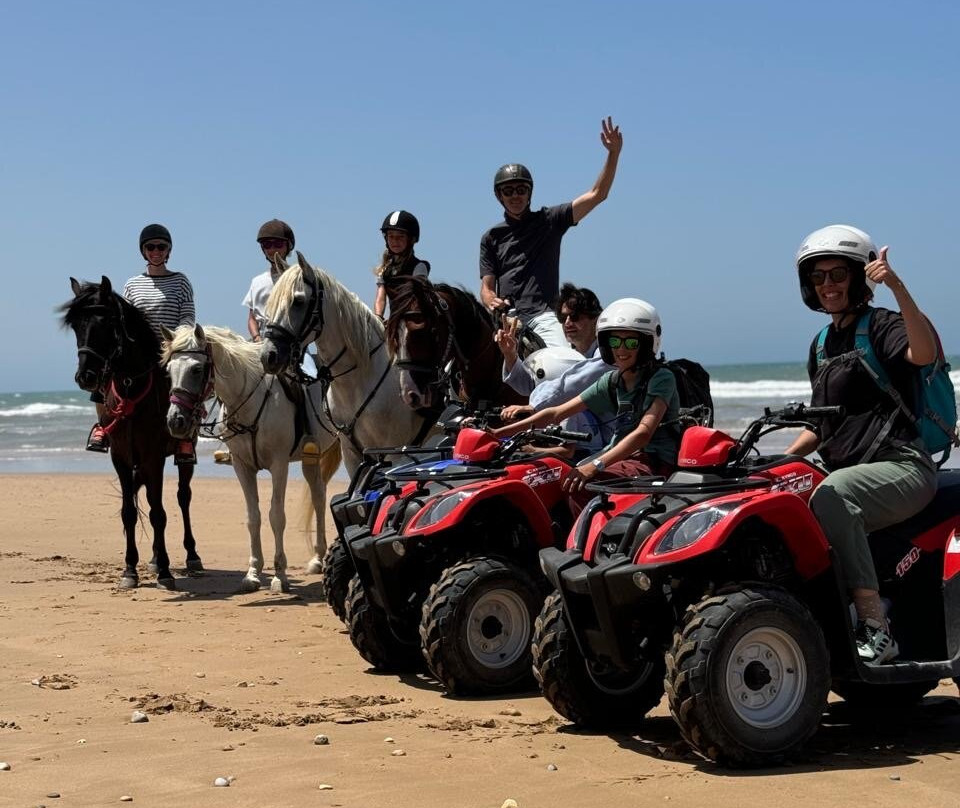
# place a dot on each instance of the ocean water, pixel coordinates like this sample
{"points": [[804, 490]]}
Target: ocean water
{"points": [[46, 432]]}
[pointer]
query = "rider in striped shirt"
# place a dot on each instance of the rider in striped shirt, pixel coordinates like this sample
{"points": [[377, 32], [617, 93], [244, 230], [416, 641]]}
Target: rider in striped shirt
{"points": [[165, 298]]}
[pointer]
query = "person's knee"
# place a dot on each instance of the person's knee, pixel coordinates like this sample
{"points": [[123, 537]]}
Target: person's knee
{"points": [[830, 505]]}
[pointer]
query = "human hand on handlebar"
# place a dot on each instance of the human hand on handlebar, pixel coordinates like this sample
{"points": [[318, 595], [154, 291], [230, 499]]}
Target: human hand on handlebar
{"points": [[578, 477], [516, 411]]}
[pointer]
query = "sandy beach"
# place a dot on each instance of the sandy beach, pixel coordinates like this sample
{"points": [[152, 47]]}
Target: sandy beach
{"points": [[238, 686]]}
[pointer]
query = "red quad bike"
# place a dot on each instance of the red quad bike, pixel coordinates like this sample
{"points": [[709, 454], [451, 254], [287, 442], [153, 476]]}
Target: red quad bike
{"points": [[446, 563], [718, 586]]}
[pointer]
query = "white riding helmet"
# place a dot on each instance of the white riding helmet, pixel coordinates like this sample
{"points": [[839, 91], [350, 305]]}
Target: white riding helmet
{"points": [[548, 364], [844, 241], [628, 314]]}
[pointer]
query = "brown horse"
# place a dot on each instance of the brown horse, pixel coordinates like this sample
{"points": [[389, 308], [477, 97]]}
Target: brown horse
{"points": [[442, 340], [119, 353]]}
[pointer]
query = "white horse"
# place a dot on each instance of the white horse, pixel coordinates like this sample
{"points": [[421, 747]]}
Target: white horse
{"points": [[364, 404], [259, 426]]}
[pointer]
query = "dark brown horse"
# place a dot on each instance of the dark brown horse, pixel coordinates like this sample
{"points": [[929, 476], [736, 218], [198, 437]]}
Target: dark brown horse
{"points": [[118, 353], [442, 340]]}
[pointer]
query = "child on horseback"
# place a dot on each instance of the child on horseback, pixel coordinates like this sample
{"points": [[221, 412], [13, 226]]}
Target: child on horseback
{"points": [[401, 231]]}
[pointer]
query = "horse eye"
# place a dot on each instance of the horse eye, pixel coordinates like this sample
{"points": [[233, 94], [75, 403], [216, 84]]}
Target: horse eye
{"points": [[415, 318], [299, 298]]}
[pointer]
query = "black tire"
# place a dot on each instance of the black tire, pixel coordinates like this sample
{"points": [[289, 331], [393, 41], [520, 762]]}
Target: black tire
{"points": [[338, 569], [582, 691], [882, 698], [477, 624], [748, 676], [371, 635]]}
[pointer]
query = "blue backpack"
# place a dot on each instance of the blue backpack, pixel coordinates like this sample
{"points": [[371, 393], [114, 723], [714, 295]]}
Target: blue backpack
{"points": [[934, 410]]}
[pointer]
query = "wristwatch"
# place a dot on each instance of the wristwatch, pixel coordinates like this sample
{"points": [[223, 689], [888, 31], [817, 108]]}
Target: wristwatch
{"points": [[598, 464]]}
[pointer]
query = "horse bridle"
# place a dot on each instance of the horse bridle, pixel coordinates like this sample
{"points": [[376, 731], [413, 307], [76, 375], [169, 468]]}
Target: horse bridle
{"points": [[452, 352], [189, 402], [312, 324], [107, 363]]}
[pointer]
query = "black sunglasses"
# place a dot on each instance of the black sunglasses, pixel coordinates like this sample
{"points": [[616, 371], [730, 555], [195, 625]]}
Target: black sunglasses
{"points": [[837, 275], [155, 247], [519, 190], [273, 243]]}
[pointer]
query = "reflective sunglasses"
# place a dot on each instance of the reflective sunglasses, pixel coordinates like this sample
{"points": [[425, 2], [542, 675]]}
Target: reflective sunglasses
{"points": [[156, 247], [630, 343], [273, 243], [837, 275], [510, 190]]}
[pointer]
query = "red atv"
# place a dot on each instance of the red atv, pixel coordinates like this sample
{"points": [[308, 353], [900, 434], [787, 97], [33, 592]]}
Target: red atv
{"points": [[717, 585], [446, 561]]}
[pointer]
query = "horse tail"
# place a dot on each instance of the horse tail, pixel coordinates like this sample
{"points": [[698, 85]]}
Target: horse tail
{"points": [[324, 469]]}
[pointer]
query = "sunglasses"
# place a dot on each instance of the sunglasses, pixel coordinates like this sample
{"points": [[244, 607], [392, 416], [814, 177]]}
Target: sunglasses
{"points": [[273, 243], [837, 275], [573, 317], [156, 247], [630, 343], [519, 190]]}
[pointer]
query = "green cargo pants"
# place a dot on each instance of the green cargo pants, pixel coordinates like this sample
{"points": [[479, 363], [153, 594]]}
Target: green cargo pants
{"points": [[852, 502]]}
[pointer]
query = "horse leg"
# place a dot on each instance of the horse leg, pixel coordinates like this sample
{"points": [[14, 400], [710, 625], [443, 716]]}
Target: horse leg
{"points": [[184, 497], [153, 483], [128, 515], [278, 522], [247, 477], [317, 477]]}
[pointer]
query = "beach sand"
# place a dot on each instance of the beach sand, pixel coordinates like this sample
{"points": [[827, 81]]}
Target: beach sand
{"points": [[238, 686]]}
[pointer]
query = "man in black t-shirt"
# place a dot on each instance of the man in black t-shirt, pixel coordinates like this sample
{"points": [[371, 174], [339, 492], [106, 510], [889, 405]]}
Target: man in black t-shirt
{"points": [[520, 257]]}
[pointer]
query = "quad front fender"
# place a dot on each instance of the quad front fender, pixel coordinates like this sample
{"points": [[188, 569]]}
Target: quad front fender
{"points": [[785, 512]]}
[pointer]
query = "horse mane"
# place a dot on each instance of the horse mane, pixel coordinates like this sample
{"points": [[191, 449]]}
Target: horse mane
{"points": [[237, 356], [472, 317], [133, 322], [359, 326]]}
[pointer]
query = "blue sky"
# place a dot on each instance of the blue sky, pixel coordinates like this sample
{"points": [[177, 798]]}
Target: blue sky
{"points": [[746, 125]]}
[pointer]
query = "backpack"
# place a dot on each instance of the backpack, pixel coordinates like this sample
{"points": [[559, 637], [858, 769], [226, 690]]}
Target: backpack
{"points": [[934, 410], [693, 390]]}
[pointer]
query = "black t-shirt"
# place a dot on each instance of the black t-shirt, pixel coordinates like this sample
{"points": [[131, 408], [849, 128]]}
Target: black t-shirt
{"points": [[844, 381], [524, 256]]}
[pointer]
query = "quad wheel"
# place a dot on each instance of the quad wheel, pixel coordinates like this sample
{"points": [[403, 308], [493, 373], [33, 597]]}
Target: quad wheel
{"points": [[337, 571], [476, 626], [748, 676], [372, 636], [585, 692]]}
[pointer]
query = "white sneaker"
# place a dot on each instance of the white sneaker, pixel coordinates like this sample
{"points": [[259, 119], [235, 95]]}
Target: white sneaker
{"points": [[875, 644]]}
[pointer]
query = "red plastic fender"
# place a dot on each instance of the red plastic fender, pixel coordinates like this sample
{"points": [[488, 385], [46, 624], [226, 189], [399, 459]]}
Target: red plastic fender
{"points": [[784, 511], [951, 556], [515, 492]]}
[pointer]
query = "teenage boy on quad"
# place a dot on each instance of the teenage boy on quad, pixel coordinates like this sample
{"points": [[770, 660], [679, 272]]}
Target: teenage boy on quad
{"points": [[628, 332], [520, 257], [880, 471]]}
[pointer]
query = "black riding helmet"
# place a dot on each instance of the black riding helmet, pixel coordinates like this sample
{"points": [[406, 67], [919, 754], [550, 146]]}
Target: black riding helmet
{"points": [[276, 229], [154, 232], [511, 172], [405, 222]]}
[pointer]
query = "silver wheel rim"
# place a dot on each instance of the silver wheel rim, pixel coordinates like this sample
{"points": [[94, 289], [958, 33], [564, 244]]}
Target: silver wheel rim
{"points": [[766, 677], [498, 628]]}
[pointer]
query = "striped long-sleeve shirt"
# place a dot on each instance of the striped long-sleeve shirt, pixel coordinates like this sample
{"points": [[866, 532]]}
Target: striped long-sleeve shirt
{"points": [[164, 299]]}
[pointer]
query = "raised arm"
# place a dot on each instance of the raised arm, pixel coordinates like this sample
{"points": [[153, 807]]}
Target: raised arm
{"points": [[922, 346], [612, 141]]}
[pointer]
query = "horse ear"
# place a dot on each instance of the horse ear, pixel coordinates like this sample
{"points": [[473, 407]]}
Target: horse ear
{"points": [[167, 333], [105, 286], [304, 266], [75, 285], [198, 332]]}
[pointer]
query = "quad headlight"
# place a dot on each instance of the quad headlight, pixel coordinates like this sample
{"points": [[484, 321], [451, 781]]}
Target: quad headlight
{"points": [[441, 507], [691, 527]]}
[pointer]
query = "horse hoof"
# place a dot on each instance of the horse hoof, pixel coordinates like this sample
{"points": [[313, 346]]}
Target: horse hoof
{"points": [[315, 567], [129, 583], [194, 565], [152, 568], [169, 584], [278, 587], [249, 584]]}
